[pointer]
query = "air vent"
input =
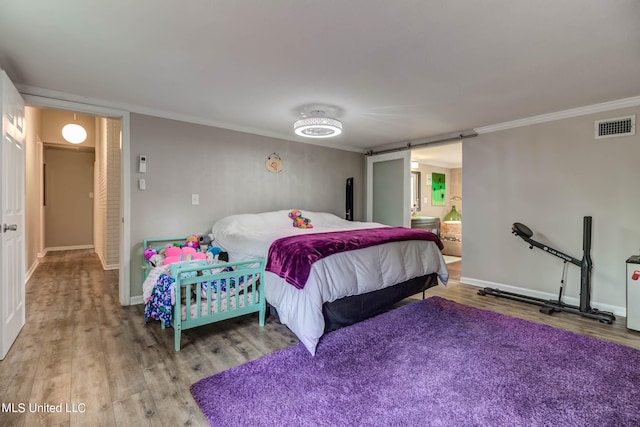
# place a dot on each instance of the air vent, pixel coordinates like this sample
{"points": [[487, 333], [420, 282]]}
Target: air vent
{"points": [[620, 126]]}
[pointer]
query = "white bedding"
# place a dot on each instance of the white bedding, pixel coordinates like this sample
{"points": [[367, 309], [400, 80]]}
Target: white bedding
{"points": [[247, 236]]}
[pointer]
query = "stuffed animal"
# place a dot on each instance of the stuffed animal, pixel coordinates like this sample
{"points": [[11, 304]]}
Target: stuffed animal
{"points": [[192, 242], [204, 241], [148, 253], [163, 251], [215, 255], [213, 250], [298, 220], [175, 254], [153, 257]]}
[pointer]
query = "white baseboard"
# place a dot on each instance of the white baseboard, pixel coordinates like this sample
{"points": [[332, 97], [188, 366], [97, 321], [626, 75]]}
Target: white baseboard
{"points": [[31, 270], [617, 310], [104, 265], [136, 300], [68, 248]]}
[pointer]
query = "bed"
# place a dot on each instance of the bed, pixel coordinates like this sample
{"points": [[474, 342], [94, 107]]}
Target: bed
{"points": [[342, 287], [194, 293]]}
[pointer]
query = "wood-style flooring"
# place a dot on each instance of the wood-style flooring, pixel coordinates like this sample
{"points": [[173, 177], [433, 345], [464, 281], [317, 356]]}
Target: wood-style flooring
{"points": [[97, 362]]}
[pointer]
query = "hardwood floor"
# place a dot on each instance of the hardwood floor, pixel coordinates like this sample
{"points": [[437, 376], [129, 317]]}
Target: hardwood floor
{"points": [[465, 294], [80, 352]]}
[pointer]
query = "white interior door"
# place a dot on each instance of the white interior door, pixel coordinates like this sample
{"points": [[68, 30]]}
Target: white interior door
{"points": [[389, 188], [12, 252]]}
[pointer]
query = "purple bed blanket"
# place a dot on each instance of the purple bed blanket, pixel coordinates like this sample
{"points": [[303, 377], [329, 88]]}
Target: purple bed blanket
{"points": [[292, 257]]}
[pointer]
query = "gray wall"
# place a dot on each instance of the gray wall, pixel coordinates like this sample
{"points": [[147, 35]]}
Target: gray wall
{"points": [[227, 170], [549, 176]]}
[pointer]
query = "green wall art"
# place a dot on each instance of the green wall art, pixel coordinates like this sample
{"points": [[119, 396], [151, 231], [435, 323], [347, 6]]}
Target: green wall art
{"points": [[437, 189]]}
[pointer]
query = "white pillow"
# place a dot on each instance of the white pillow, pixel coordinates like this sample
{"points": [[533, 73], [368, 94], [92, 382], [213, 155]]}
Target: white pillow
{"points": [[248, 236]]}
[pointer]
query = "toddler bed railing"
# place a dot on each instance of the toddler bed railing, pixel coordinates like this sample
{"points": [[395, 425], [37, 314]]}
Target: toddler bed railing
{"points": [[208, 293]]}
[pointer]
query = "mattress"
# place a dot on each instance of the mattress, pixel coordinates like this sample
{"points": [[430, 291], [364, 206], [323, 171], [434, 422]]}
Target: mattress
{"points": [[355, 272]]}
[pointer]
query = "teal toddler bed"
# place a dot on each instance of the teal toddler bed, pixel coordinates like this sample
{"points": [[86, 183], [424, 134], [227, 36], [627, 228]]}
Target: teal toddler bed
{"points": [[199, 292]]}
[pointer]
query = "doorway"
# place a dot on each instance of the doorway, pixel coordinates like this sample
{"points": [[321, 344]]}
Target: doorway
{"points": [[80, 185], [118, 124], [68, 197], [439, 169]]}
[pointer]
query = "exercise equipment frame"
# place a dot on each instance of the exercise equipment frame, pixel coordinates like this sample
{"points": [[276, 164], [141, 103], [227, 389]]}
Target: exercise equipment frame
{"points": [[551, 306]]}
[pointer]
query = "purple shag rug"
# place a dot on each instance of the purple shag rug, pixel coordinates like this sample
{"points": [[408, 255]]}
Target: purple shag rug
{"points": [[433, 363]]}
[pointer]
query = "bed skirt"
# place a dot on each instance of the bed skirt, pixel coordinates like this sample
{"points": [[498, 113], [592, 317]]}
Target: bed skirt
{"points": [[349, 310]]}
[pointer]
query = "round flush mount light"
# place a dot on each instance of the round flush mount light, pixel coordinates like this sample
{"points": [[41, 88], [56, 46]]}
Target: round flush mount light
{"points": [[317, 125], [74, 133]]}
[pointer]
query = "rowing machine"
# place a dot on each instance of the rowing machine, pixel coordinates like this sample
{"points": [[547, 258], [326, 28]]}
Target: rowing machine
{"points": [[551, 306]]}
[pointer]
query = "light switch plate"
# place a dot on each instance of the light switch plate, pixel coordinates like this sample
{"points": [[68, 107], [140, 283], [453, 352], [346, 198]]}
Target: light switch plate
{"points": [[195, 199]]}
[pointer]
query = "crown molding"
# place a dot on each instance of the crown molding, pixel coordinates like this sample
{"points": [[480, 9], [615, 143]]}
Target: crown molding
{"points": [[574, 112], [63, 97]]}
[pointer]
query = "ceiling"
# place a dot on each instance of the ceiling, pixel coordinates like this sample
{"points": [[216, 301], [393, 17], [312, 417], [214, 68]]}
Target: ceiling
{"points": [[391, 71], [447, 156]]}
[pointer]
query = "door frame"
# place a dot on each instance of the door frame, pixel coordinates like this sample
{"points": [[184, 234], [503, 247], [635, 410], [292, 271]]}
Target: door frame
{"points": [[405, 156], [39, 101]]}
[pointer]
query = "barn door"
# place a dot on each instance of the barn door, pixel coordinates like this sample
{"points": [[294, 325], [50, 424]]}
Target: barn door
{"points": [[388, 188]]}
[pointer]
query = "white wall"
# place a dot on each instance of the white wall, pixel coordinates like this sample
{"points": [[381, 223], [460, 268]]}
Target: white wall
{"points": [[549, 176], [107, 217], [227, 169], [111, 188]]}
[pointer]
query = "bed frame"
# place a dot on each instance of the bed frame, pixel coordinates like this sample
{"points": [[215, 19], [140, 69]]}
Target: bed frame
{"points": [[349, 310], [211, 306]]}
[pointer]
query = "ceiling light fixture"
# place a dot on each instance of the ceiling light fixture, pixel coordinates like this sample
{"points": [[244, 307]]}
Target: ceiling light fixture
{"points": [[74, 133], [317, 125]]}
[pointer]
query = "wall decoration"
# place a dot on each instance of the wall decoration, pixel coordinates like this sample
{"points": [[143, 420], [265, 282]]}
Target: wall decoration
{"points": [[273, 163], [438, 188]]}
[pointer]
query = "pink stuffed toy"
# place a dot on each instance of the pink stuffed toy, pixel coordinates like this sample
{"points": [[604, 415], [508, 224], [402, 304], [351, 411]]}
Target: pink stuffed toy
{"points": [[298, 220], [175, 254]]}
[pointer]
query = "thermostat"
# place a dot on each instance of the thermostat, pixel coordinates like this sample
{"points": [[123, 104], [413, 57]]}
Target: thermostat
{"points": [[142, 165]]}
